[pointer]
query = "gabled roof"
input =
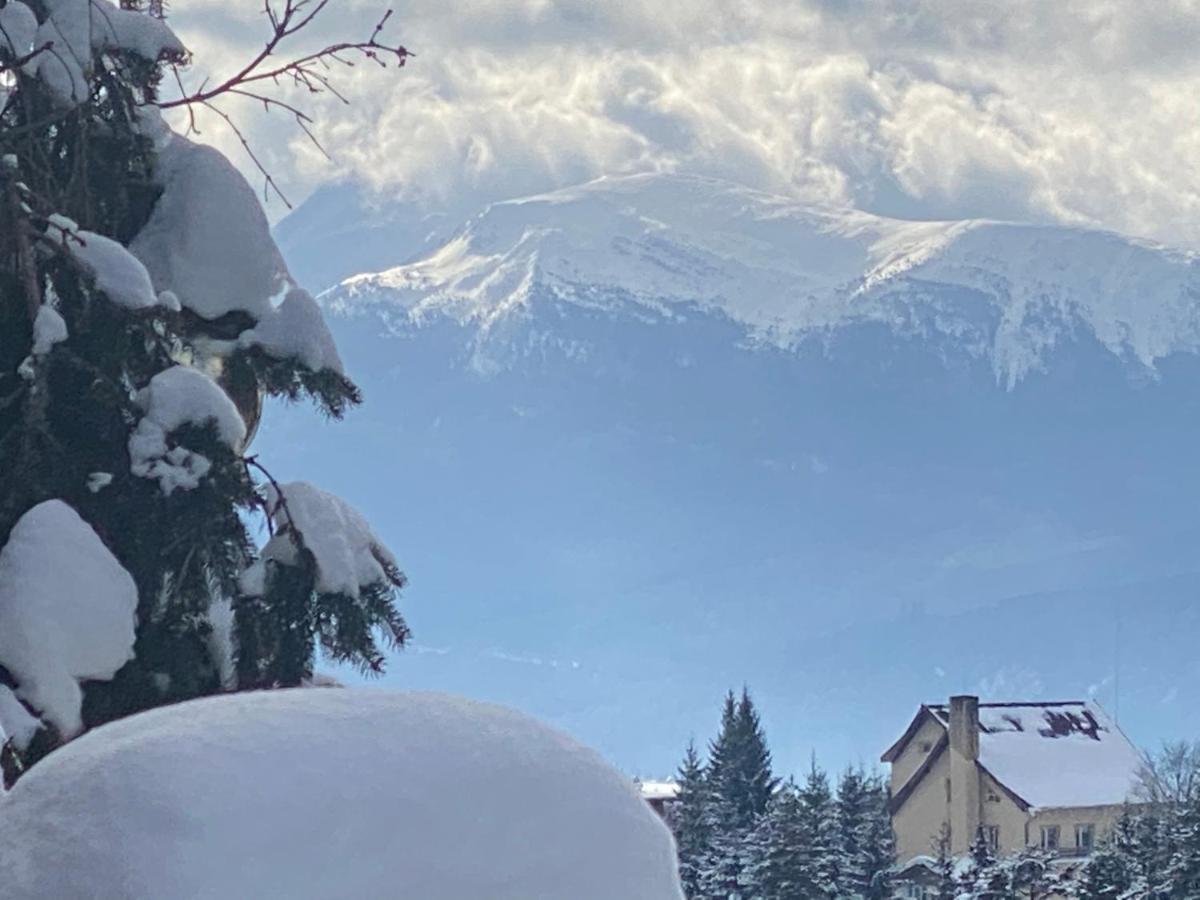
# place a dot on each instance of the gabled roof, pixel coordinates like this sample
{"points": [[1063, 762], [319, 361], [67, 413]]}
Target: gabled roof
{"points": [[1063, 754]]}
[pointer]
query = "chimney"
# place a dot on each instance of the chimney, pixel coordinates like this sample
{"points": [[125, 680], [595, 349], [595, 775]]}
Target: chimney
{"points": [[964, 772]]}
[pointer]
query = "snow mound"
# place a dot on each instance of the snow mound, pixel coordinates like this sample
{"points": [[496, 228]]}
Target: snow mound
{"points": [[79, 29], [175, 397], [67, 611], [321, 795], [208, 241], [786, 271], [348, 553]]}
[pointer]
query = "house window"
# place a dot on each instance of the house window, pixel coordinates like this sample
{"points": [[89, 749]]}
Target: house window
{"points": [[926, 746], [913, 891], [1085, 837], [991, 836], [1050, 837]]}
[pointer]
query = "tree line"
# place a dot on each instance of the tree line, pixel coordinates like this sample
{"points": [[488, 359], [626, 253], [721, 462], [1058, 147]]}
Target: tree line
{"points": [[743, 833]]}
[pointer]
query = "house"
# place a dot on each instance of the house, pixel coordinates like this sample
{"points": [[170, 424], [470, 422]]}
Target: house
{"points": [[659, 794], [1054, 775]]}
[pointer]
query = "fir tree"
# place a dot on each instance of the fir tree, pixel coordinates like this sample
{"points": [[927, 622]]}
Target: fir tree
{"points": [[85, 339], [879, 842], [817, 848], [1106, 876], [947, 889], [740, 762], [689, 821], [779, 870], [1181, 876]]}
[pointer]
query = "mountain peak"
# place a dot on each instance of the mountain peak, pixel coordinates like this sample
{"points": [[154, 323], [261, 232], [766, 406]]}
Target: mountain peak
{"points": [[669, 245]]}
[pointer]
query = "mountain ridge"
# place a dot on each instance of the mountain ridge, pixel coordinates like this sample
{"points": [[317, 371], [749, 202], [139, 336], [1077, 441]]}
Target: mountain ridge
{"points": [[787, 273]]}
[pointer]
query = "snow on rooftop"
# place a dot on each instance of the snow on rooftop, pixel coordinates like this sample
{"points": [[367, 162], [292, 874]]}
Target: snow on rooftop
{"points": [[659, 790], [316, 795], [1056, 754], [67, 612]]}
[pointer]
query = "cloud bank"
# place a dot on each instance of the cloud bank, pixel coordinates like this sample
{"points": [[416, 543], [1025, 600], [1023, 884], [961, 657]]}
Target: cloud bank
{"points": [[1080, 111]]}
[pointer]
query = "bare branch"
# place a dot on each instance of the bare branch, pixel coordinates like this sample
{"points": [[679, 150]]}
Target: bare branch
{"points": [[303, 71]]}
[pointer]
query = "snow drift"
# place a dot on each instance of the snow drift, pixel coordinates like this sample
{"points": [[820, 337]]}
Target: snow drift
{"points": [[331, 794]]}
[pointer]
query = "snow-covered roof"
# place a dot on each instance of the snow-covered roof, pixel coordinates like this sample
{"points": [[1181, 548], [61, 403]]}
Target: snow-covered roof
{"points": [[659, 790], [1060, 754]]}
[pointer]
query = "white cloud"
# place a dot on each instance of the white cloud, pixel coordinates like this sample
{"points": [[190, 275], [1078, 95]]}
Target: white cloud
{"points": [[1078, 111]]}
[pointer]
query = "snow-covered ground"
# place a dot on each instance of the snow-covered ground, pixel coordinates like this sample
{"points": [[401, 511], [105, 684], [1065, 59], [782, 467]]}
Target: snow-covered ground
{"points": [[331, 793]]}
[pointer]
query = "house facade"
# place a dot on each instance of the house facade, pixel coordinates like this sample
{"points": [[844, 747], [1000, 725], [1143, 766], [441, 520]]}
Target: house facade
{"points": [[1054, 775]]}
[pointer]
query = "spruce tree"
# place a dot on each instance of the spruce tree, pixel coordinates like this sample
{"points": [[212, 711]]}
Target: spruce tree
{"points": [[739, 785], [947, 889], [818, 850], [778, 870], [689, 821], [1182, 874], [131, 382], [879, 842], [853, 812]]}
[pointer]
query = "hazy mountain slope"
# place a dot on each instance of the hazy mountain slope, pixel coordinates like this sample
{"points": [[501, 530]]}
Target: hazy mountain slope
{"points": [[615, 501]]}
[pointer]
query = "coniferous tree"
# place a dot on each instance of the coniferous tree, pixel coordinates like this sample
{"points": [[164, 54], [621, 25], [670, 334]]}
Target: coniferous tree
{"points": [[778, 870], [879, 842], [689, 821], [131, 384], [1182, 874], [1106, 876], [947, 889], [818, 827]]}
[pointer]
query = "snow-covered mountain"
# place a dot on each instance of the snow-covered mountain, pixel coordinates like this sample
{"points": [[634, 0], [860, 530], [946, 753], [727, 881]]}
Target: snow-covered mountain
{"points": [[652, 437], [664, 246]]}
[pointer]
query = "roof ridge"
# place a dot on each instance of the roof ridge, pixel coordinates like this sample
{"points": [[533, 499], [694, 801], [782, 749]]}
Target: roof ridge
{"points": [[1007, 704]]}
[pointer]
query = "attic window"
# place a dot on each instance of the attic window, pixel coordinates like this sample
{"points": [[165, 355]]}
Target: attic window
{"points": [[926, 746]]}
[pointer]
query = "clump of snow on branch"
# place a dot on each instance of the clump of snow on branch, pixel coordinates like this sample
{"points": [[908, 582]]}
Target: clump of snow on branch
{"points": [[348, 554], [16, 723], [296, 328], [175, 397], [116, 271], [48, 329], [80, 29], [221, 641], [208, 244], [332, 793], [67, 611], [208, 240], [18, 29]]}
